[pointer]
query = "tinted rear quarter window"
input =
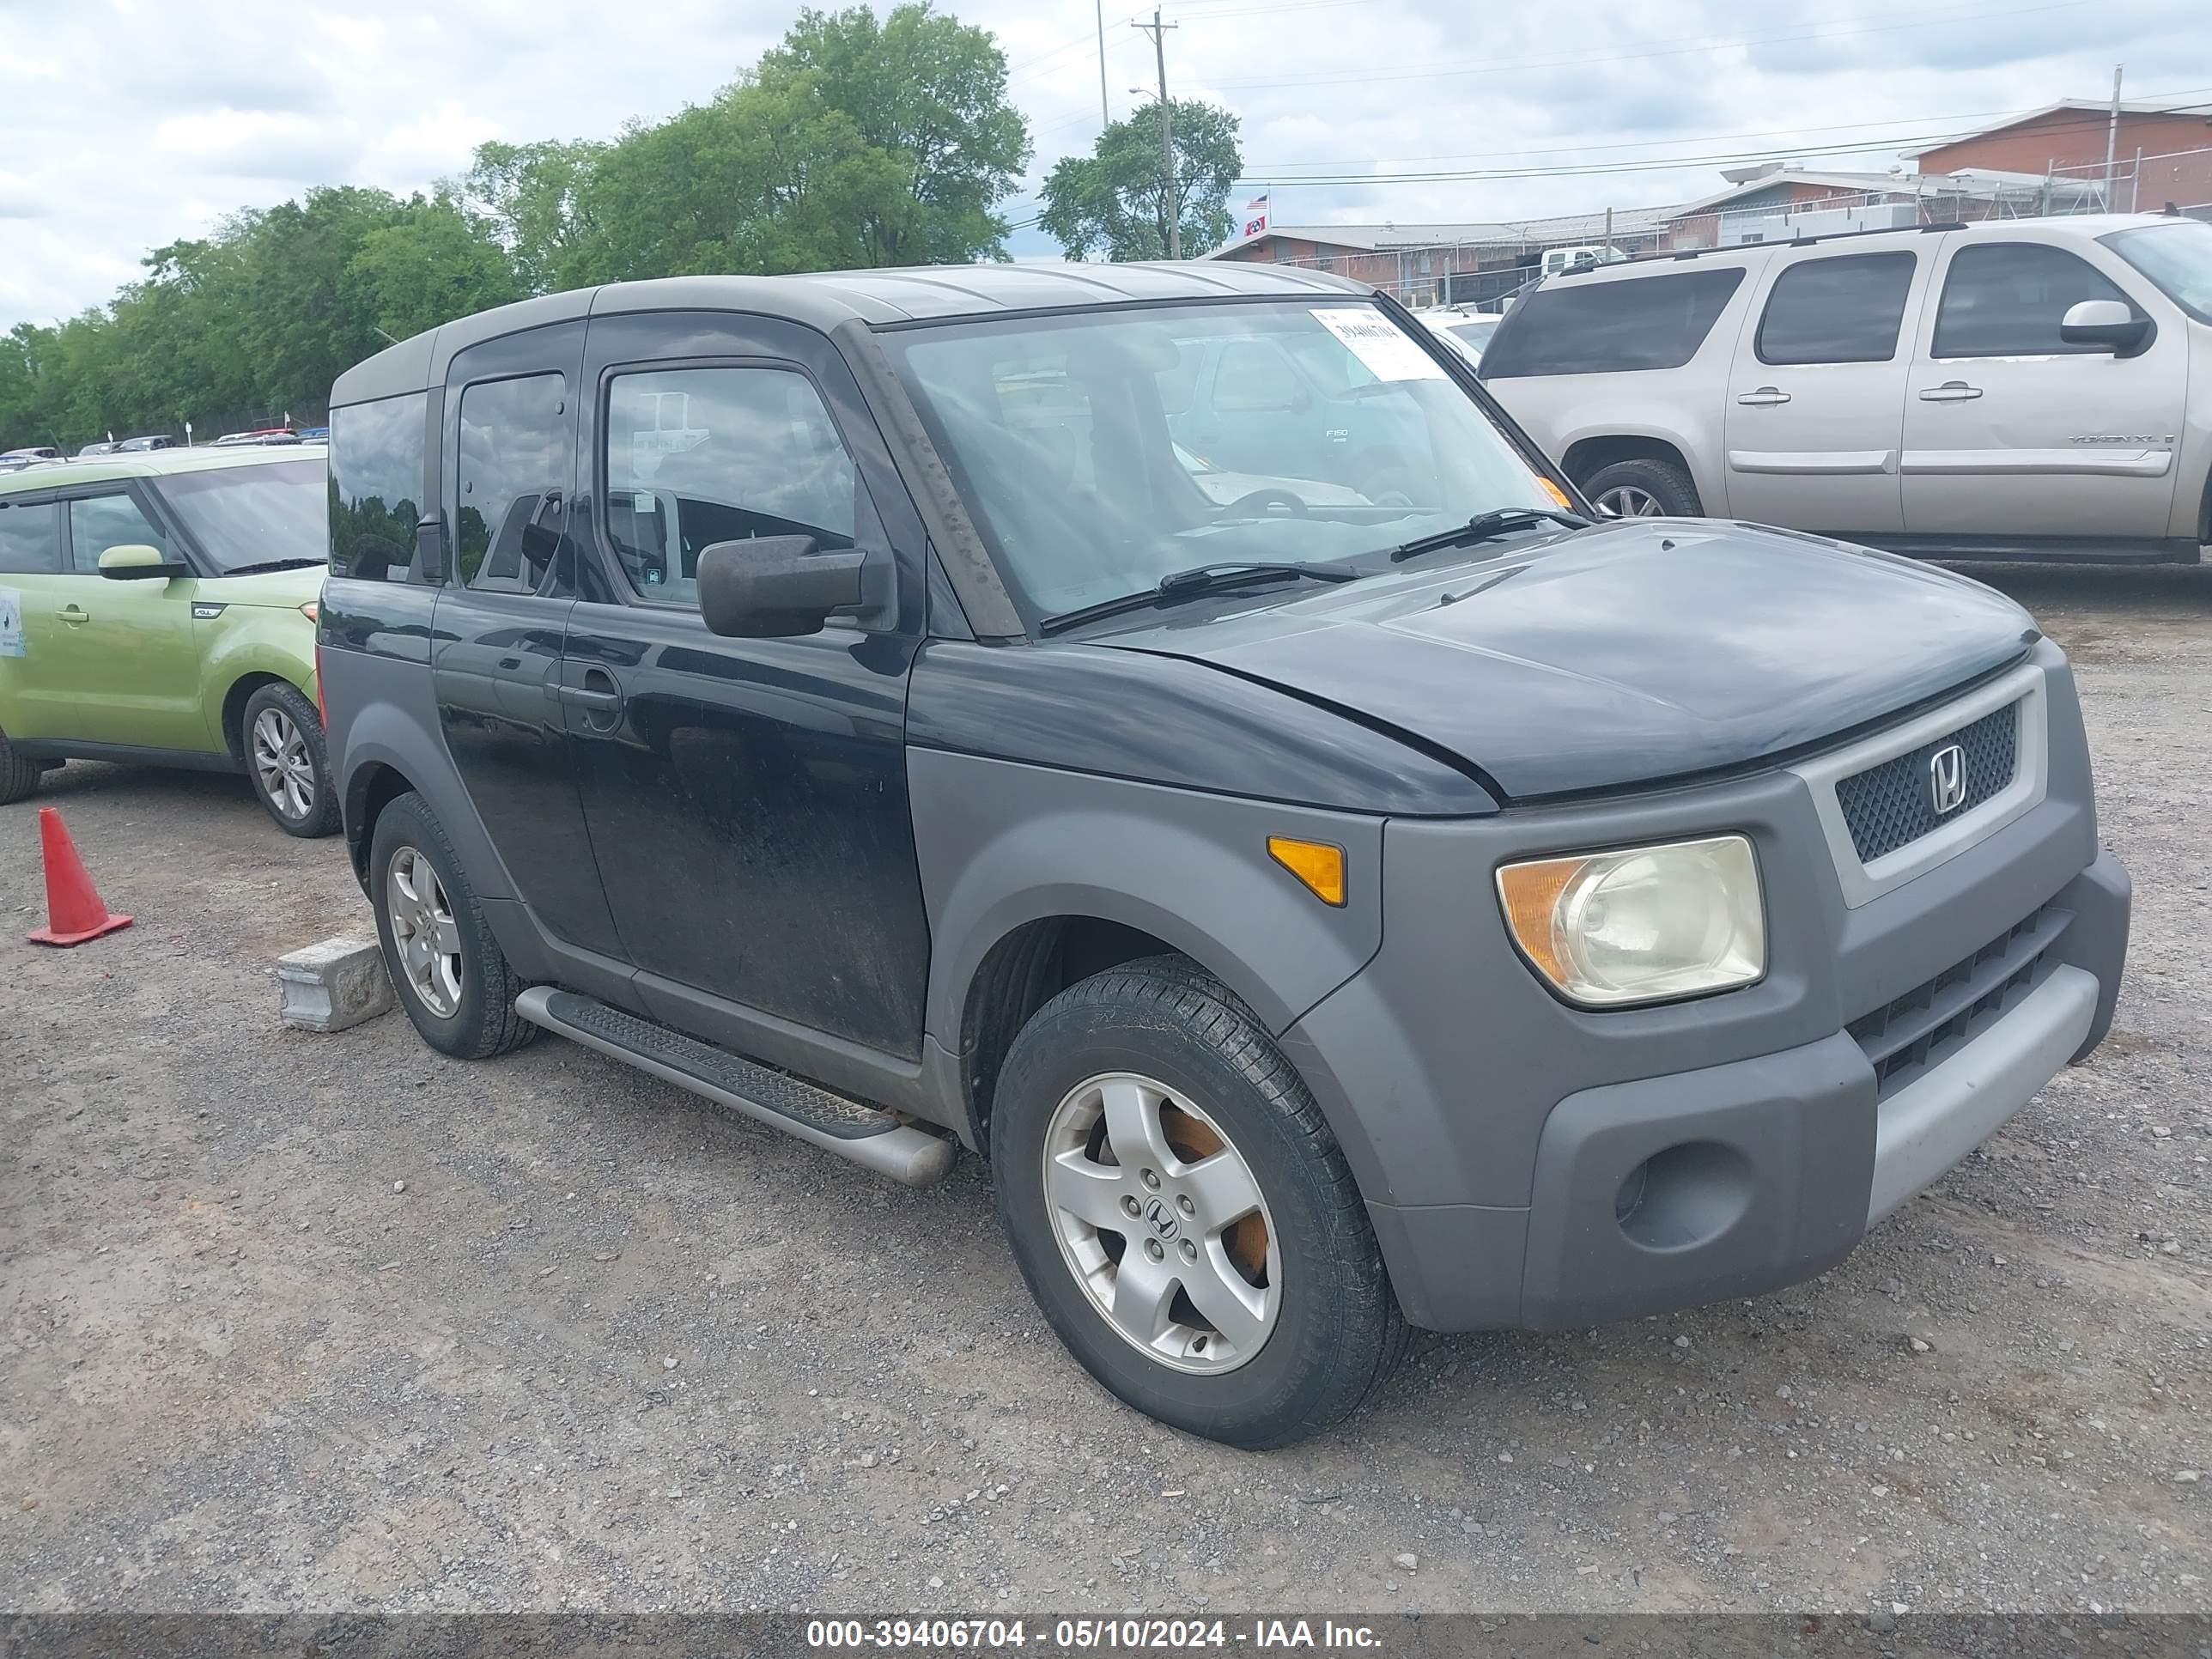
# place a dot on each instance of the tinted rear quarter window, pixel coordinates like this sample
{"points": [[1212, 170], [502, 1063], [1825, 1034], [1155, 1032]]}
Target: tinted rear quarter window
{"points": [[376, 462], [30, 538], [1847, 309], [2007, 299], [1586, 327]]}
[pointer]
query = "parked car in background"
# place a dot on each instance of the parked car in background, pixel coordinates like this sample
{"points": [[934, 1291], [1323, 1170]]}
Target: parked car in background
{"points": [[2016, 389], [274, 434], [1465, 332], [90, 450], [150, 441], [30, 454], [314, 434], [159, 608], [1558, 261], [850, 699]]}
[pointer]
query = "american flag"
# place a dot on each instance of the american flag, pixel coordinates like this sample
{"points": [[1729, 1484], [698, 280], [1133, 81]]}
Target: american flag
{"points": [[1255, 215]]}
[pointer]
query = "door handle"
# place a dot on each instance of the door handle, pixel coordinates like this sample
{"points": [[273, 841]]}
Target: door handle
{"points": [[1765, 397], [73, 614], [598, 692], [1951, 391]]}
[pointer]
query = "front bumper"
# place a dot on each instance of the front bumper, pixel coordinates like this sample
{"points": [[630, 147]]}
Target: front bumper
{"points": [[1531, 1165]]}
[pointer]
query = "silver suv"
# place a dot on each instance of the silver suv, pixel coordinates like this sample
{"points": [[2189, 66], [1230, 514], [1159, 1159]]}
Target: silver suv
{"points": [[2016, 389]]}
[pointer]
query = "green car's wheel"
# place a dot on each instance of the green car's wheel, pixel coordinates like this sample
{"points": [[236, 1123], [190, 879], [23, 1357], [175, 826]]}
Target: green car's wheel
{"points": [[282, 734], [18, 774]]}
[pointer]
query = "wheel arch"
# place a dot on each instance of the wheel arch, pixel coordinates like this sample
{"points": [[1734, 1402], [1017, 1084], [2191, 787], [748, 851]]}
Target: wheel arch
{"points": [[370, 788], [236, 697], [1586, 456]]}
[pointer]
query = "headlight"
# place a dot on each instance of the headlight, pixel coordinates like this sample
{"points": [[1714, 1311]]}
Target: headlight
{"points": [[1641, 924]]}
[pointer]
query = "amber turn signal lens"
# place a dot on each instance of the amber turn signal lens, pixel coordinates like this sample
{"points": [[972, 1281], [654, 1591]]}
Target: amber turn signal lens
{"points": [[1316, 863], [1531, 892], [1557, 494]]}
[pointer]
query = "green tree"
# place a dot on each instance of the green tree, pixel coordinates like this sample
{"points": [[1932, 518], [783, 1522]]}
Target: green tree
{"points": [[1114, 201], [531, 194], [432, 263], [930, 92]]}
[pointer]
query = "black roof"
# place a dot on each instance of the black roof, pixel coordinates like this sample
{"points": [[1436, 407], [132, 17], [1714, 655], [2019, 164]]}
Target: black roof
{"points": [[827, 299]]}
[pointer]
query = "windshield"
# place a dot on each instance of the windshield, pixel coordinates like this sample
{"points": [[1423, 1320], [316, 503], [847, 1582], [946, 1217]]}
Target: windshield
{"points": [[2178, 257], [242, 515], [1102, 451]]}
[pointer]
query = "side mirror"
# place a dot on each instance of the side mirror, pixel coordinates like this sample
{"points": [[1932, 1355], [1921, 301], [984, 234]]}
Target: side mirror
{"points": [[2106, 325], [776, 587], [136, 562]]}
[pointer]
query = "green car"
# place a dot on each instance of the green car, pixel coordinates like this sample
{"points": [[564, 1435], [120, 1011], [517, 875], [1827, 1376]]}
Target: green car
{"points": [[159, 608]]}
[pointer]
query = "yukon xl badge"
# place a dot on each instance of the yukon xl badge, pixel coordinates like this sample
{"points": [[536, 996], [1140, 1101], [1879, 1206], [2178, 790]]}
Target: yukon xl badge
{"points": [[1947, 779]]}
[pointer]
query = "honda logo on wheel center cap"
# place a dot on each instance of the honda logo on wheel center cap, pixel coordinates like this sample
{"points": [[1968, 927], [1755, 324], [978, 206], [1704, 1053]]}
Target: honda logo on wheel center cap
{"points": [[1947, 779], [1162, 1218]]}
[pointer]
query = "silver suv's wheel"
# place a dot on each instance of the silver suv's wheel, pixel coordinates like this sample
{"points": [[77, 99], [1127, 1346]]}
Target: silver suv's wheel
{"points": [[1162, 1222], [1630, 501], [1644, 488], [1182, 1213]]}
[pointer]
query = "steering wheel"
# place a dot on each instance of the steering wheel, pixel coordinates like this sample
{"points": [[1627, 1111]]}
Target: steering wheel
{"points": [[1253, 504]]}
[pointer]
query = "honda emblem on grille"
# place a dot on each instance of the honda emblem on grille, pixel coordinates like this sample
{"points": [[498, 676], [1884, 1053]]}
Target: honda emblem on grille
{"points": [[1947, 779]]}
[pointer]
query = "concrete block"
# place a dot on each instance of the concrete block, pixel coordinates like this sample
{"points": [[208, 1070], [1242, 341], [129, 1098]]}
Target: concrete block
{"points": [[335, 984]]}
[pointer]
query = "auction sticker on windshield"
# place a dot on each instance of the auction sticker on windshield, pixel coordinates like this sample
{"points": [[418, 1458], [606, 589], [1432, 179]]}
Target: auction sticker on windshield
{"points": [[1379, 343]]}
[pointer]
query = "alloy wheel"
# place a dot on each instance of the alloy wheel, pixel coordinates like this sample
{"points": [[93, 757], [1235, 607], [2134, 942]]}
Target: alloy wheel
{"points": [[424, 933], [1163, 1223], [1632, 501], [282, 764]]}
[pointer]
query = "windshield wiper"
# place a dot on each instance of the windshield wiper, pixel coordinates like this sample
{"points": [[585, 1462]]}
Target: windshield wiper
{"points": [[1484, 525], [1202, 579], [266, 565]]}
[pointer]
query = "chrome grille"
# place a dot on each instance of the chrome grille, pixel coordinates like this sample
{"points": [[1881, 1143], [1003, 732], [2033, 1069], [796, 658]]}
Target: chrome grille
{"points": [[1923, 1028], [1889, 805]]}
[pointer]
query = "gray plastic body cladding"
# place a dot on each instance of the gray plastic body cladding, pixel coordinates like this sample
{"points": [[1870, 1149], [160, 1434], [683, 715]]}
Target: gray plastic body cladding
{"points": [[1441, 1062], [1001, 844]]}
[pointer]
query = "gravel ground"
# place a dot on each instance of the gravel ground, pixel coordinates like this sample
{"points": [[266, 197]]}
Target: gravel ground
{"points": [[297, 1322]]}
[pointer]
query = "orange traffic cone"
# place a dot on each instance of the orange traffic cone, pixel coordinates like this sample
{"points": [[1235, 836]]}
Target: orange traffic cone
{"points": [[74, 912]]}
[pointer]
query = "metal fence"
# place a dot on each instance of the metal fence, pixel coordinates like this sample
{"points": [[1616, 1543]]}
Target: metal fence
{"points": [[1486, 272]]}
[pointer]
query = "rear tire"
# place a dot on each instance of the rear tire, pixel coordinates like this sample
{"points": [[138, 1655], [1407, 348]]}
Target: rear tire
{"points": [[451, 976], [280, 736], [1258, 1308], [18, 774], [1645, 489]]}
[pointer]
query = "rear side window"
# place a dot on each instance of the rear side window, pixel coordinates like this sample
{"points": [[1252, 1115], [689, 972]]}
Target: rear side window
{"points": [[376, 463], [517, 458], [1600, 328], [2007, 299], [1843, 310], [30, 538], [99, 522]]}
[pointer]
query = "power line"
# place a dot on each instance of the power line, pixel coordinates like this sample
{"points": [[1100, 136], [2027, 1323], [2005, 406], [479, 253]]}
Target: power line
{"points": [[1669, 164], [1486, 68], [1339, 171]]}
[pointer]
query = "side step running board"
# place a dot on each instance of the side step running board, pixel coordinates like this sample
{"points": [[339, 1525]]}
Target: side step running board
{"points": [[867, 1136]]}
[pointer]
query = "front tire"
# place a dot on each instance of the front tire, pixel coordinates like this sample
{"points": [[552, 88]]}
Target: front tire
{"points": [[451, 976], [1645, 489], [1183, 1216], [281, 734], [18, 774]]}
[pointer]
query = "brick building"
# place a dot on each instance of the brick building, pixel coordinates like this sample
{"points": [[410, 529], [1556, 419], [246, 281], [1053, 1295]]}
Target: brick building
{"points": [[2067, 139]]}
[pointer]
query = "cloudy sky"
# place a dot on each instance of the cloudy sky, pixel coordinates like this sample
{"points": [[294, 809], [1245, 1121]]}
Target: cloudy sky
{"points": [[127, 123]]}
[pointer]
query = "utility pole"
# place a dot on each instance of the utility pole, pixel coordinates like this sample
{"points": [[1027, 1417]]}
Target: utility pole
{"points": [[1105, 115], [2112, 136], [1168, 203]]}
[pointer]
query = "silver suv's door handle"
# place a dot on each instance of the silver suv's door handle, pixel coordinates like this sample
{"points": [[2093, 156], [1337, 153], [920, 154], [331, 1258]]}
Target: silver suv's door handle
{"points": [[1951, 391], [1765, 397], [598, 691]]}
